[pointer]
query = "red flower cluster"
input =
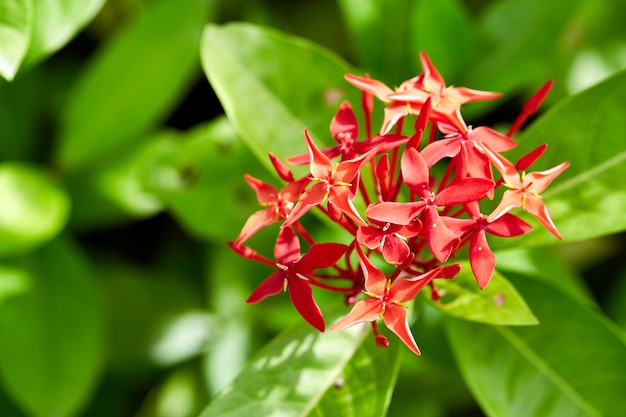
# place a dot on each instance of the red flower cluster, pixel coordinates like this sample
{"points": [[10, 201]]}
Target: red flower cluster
{"points": [[415, 216]]}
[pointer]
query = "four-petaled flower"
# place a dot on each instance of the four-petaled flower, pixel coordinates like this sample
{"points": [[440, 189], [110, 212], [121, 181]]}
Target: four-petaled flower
{"points": [[389, 239], [294, 273], [337, 183], [386, 300], [524, 190]]}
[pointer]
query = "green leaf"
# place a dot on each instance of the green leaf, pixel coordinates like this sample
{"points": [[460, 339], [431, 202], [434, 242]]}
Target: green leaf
{"points": [[379, 32], [366, 383], [290, 375], [15, 31], [132, 83], [200, 180], [33, 209], [51, 335], [587, 200], [55, 22], [273, 86], [572, 364], [498, 303], [436, 26]]}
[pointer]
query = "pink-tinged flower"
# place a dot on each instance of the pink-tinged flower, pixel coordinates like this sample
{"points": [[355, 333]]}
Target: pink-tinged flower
{"points": [[337, 184], [441, 240], [389, 239], [386, 300], [344, 129], [396, 108], [524, 190], [294, 273], [482, 259], [446, 100], [278, 205]]}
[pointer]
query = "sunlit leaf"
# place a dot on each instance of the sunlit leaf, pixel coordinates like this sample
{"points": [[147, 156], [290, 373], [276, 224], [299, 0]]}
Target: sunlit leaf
{"points": [[497, 303], [587, 200], [273, 86], [15, 31], [290, 375], [200, 180], [544, 370], [132, 82], [33, 209], [55, 22], [51, 335], [366, 383]]}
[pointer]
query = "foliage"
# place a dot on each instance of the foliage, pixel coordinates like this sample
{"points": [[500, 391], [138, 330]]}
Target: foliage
{"points": [[122, 179]]}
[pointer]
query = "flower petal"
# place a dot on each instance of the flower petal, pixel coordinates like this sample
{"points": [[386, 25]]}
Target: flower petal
{"points": [[301, 296], [482, 259], [363, 311], [396, 320], [464, 191], [256, 222], [395, 250], [394, 212], [311, 197], [375, 279], [344, 123], [287, 248], [321, 166], [265, 193], [415, 172], [272, 285], [536, 207], [508, 225], [406, 289], [320, 255], [539, 181], [373, 87]]}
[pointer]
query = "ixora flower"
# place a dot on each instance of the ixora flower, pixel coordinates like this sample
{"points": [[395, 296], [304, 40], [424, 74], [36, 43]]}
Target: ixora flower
{"points": [[524, 190], [294, 274], [386, 300], [336, 183]]}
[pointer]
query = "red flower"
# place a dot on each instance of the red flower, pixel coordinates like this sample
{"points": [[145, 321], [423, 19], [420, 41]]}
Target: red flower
{"points": [[524, 190], [389, 239], [446, 100], [386, 300], [278, 203], [416, 176], [482, 259], [336, 183], [294, 273]]}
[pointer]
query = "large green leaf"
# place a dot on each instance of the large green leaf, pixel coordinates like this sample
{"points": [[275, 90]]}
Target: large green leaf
{"points": [[290, 375], [273, 86], [32, 210], [497, 303], [587, 200], [15, 30], [55, 22], [199, 177], [379, 32], [572, 364], [51, 335], [366, 383], [132, 82]]}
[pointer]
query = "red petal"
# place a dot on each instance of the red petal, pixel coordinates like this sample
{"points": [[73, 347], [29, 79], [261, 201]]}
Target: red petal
{"points": [[272, 285], [344, 122], [375, 280], [363, 311], [539, 181], [443, 148], [287, 248], [393, 212], [395, 320], [395, 250], [464, 191], [340, 197], [537, 208], [256, 222], [393, 113], [369, 236], [441, 240], [281, 169], [432, 81], [321, 166], [406, 289], [311, 197], [415, 172], [506, 168], [265, 193], [320, 255], [374, 87], [496, 140], [510, 200], [482, 260], [508, 225], [527, 160], [301, 296]]}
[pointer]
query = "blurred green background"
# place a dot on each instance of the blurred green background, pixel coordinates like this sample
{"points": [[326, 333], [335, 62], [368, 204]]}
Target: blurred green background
{"points": [[121, 180]]}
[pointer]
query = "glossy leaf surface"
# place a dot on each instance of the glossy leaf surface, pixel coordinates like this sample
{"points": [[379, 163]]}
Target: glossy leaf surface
{"points": [[545, 369], [498, 303], [50, 354]]}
